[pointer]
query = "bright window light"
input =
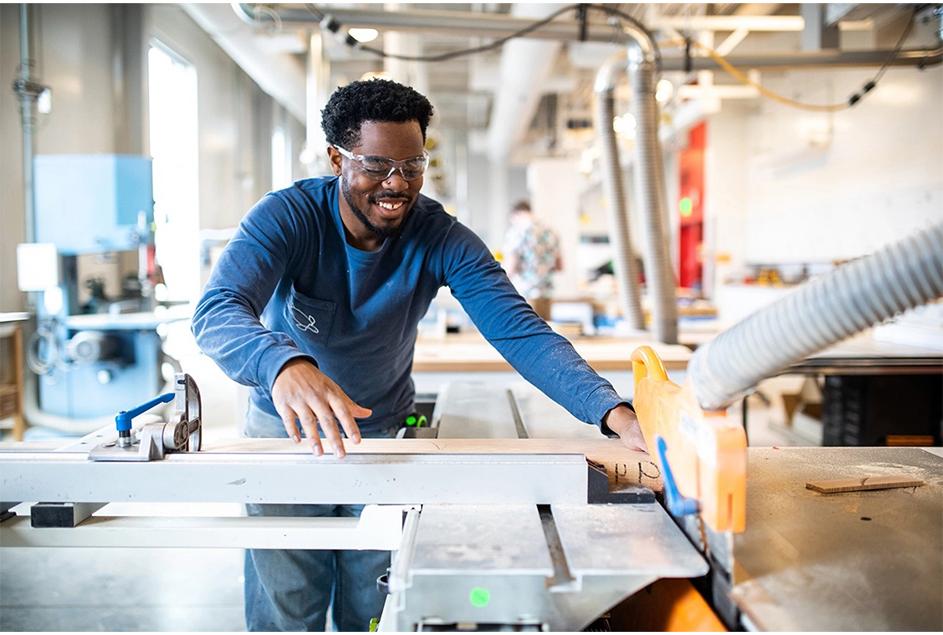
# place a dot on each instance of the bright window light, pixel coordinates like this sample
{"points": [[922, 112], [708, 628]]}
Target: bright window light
{"points": [[174, 142], [281, 159]]}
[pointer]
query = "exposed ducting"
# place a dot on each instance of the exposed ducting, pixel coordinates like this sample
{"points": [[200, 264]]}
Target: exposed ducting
{"points": [[650, 188], [280, 75], [620, 237], [525, 64], [27, 91]]}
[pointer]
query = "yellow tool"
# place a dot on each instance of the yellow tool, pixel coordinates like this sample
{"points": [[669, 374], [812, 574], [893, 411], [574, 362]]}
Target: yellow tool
{"points": [[702, 454]]}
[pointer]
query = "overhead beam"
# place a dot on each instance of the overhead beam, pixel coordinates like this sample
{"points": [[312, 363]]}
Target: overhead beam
{"points": [[564, 28], [817, 34]]}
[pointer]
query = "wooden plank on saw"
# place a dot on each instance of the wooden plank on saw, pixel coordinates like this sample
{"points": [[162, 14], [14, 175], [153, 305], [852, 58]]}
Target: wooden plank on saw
{"points": [[624, 466]]}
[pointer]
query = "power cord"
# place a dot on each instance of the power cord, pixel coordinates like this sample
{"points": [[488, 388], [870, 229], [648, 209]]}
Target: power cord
{"points": [[852, 100], [332, 25]]}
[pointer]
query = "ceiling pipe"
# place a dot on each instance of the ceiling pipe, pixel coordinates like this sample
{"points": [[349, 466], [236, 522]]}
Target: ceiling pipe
{"points": [[650, 185], [500, 25], [27, 90], [524, 66], [620, 236], [280, 75]]}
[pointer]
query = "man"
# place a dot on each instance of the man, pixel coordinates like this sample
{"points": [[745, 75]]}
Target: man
{"points": [[315, 304], [531, 256]]}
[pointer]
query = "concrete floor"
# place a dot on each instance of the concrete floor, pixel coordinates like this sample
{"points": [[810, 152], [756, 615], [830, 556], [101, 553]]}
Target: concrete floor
{"points": [[121, 590]]}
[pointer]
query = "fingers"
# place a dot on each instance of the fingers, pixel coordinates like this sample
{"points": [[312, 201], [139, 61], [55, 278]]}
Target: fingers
{"points": [[359, 412], [310, 425], [288, 420], [329, 427], [634, 439], [343, 409]]}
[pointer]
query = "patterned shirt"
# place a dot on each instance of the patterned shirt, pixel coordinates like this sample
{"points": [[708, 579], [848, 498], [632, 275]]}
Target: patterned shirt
{"points": [[537, 250]]}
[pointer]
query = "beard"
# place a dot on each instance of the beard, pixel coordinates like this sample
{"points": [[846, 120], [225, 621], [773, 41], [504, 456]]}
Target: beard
{"points": [[380, 232]]}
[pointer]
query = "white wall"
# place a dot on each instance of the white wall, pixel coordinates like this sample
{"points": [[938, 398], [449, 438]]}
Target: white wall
{"points": [[785, 185], [78, 68], [481, 214], [75, 50]]}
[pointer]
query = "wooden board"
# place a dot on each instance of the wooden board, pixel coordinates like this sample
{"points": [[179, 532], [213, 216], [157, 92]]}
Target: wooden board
{"points": [[624, 466], [472, 353], [864, 484]]}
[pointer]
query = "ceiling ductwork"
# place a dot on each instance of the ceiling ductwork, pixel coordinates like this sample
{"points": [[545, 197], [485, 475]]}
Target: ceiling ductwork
{"points": [[280, 75], [525, 64]]}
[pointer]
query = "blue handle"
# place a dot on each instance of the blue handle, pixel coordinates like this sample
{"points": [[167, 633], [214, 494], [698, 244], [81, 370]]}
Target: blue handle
{"points": [[677, 504], [123, 418]]}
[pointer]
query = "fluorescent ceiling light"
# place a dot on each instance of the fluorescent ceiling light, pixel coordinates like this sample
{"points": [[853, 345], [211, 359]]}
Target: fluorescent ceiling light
{"points": [[364, 35]]}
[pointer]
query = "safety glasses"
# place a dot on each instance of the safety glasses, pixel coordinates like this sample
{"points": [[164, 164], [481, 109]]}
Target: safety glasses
{"points": [[382, 168]]}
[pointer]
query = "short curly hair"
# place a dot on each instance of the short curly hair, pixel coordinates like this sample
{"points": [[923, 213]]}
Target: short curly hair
{"points": [[371, 100]]}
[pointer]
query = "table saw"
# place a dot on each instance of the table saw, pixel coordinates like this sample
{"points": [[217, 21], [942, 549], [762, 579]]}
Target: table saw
{"points": [[509, 538]]}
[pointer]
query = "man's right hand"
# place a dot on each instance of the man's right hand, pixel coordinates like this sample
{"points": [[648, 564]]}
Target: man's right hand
{"points": [[303, 393]]}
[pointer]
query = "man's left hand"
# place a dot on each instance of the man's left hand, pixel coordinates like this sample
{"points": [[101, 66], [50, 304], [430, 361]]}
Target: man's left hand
{"points": [[623, 422]]}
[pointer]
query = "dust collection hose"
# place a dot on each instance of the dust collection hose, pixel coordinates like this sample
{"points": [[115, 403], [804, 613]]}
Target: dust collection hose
{"points": [[822, 312], [623, 257], [650, 190]]}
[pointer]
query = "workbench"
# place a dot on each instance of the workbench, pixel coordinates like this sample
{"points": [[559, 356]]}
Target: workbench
{"points": [[11, 371], [902, 384], [455, 358]]}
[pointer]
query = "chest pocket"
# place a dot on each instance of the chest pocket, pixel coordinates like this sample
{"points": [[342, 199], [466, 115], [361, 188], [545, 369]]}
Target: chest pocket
{"points": [[311, 318]]}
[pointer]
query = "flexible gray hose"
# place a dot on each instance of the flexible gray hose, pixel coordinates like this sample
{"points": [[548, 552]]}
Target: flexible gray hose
{"points": [[818, 314], [620, 237], [650, 192]]}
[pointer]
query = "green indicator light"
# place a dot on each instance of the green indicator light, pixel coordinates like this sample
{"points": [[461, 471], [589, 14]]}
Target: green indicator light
{"points": [[479, 597], [686, 206], [410, 420]]}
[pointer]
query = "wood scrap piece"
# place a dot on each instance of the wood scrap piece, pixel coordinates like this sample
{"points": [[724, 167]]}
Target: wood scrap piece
{"points": [[863, 484]]}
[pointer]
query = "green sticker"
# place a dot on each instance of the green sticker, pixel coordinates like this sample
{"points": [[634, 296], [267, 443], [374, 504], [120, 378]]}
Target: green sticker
{"points": [[479, 597]]}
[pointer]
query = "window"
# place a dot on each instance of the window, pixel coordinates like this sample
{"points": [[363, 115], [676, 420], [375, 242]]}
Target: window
{"points": [[174, 142], [281, 151]]}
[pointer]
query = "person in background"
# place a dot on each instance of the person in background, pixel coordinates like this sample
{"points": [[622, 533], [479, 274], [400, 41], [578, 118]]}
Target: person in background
{"points": [[315, 304], [531, 256]]}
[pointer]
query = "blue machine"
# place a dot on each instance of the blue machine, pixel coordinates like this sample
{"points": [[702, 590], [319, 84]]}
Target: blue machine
{"points": [[97, 358]]}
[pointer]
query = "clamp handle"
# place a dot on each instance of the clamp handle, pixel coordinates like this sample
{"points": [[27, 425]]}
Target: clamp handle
{"points": [[123, 418], [678, 505]]}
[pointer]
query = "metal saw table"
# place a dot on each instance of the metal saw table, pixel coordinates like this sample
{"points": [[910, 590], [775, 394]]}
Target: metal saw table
{"points": [[511, 541], [495, 540]]}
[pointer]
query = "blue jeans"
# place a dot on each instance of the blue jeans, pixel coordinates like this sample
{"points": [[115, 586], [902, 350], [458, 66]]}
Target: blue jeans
{"points": [[290, 589]]}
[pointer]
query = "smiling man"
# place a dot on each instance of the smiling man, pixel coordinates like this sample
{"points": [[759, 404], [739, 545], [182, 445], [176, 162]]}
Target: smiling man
{"points": [[315, 304]]}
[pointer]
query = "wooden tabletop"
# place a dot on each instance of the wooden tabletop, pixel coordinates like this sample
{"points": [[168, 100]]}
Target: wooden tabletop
{"points": [[470, 352]]}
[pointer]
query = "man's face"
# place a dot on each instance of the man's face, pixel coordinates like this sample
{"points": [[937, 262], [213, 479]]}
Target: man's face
{"points": [[380, 207]]}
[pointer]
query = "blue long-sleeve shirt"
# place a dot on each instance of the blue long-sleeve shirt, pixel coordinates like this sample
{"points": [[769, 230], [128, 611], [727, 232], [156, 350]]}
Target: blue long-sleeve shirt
{"points": [[289, 285]]}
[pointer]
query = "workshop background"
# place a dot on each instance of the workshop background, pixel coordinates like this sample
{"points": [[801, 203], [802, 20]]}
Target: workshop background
{"points": [[136, 136]]}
